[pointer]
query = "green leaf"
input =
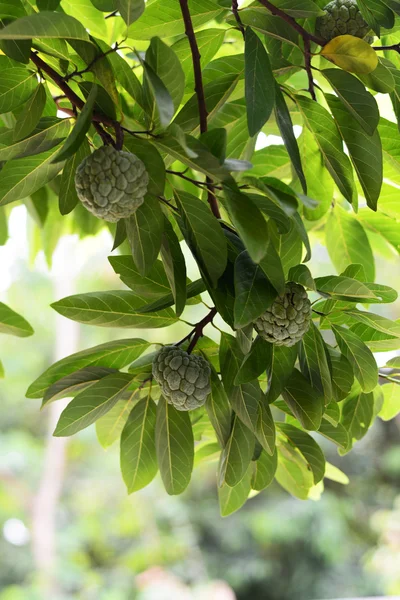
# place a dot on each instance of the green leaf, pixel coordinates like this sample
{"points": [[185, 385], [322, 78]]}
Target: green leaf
{"points": [[164, 62], [253, 292], [162, 98], [154, 285], [80, 129], [175, 447], [123, 73], [12, 9], [348, 243], [284, 122], [265, 427], [308, 448], [280, 370], [45, 25], [249, 222], [29, 117], [130, 10], [360, 357], [230, 357], [306, 403], [164, 18], [219, 410], [382, 225], [272, 267], [381, 80], [153, 162], [314, 362], [377, 322], [351, 54], [357, 413], [258, 359], [92, 404], [293, 473], [48, 133], [16, 85], [68, 197], [321, 124], [71, 384], [342, 374], [391, 401], [205, 235], [355, 98], [340, 286], [338, 435], [175, 266], [319, 182], [110, 426], [237, 454], [112, 309], [12, 323], [259, 83], [193, 289], [145, 230], [365, 151], [301, 274], [138, 449], [208, 41], [264, 469], [115, 355], [245, 400], [24, 176], [216, 94], [233, 498]]}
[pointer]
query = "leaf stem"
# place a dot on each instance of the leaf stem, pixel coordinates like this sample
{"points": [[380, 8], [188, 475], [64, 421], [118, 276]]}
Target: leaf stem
{"points": [[278, 12], [235, 10]]}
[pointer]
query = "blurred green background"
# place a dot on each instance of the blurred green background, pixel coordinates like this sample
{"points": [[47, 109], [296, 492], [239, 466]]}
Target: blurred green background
{"points": [[68, 528]]}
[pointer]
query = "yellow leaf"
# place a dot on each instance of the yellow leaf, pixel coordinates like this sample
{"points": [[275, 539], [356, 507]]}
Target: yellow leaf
{"points": [[351, 54]]}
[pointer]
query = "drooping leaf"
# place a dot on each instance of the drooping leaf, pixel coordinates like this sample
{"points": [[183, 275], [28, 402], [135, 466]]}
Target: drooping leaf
{"points": [[259, 83], [12, 323], [236, 456], [314, 362], [115, 355], [138, 449], [175, 266], [258, 359], [92, 403], [130, 10], [360, 357], [264, 469], [16, 86], [174, 446], [233, 498], [219, 410], [306, 402], [357, 413], [29, 117], [145, 230], [308, 448], [68, 197]]}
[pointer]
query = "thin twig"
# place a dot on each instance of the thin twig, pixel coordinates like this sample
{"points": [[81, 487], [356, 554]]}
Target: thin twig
{"points": [[278, 12], [165, 201], [74, 98], [199, 89], [194, 181], [98, 57], [235, 10], [113, 14]]}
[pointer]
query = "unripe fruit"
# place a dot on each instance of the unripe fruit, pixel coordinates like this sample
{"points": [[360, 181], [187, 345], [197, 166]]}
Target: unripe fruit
{"points": [[111, 184], [288, 319], [184, 378], [342, 17]]}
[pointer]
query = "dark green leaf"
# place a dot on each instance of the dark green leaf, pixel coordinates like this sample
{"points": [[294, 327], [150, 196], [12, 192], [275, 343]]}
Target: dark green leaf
{"points": [[308, 447], [264, 469], [29, 117], [314, 363], [219, 410], [12, 323], [237, 454], [68, 197], [280, 370], [145, 230], [359, 356], [16, 85], [233, 498], [175, 266], [255, 362], [306, 403], [130, 10]]}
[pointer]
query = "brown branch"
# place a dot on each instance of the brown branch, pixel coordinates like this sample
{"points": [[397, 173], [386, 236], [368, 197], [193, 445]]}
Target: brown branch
{"points": [[201, 184], [74, 98], [197, 331], [235, 10], [98, 57], [307, 63], [199, 89], [395, 47], [277, 12]]}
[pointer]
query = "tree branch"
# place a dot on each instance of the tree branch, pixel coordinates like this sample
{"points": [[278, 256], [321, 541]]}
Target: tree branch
{"points": [[235, 10], [307, 63], [199, 89], [277, 12], [395, 47], [197, 331], [74, 98]]}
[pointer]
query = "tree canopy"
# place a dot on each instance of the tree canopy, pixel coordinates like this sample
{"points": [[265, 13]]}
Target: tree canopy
{"points": [[194, 89]]}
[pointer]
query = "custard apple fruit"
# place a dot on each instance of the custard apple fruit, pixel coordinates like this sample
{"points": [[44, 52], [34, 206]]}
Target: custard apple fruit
{"points": [[288, 319], [342, 17], [184, 378], [111, 184]]}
